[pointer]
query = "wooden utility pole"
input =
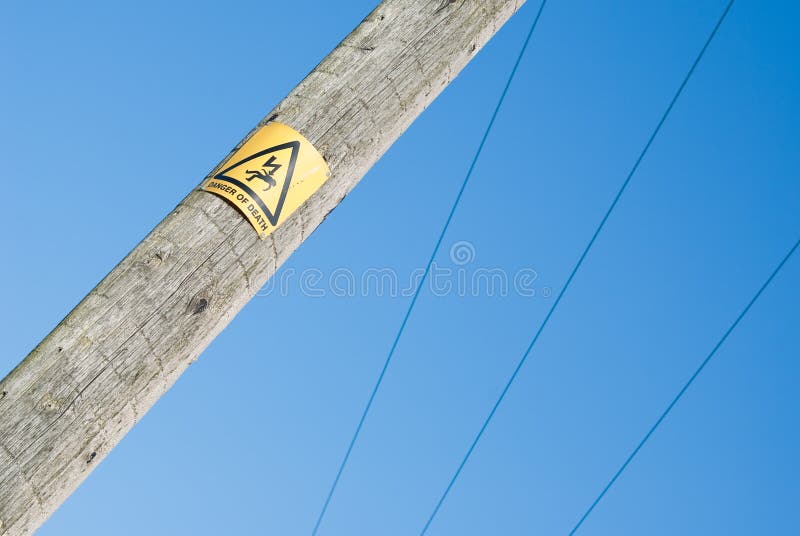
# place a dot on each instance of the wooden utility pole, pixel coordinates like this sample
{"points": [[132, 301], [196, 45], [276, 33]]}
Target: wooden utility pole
{"points": [[86, 384]]}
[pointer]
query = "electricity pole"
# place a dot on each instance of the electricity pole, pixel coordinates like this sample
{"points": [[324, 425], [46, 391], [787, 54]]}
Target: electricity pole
{"points": [[73, 398]]}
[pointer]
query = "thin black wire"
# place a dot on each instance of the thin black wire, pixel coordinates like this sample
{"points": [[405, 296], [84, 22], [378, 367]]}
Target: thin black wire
{"points": [[683, 390], [574, 271], [427, 269]]}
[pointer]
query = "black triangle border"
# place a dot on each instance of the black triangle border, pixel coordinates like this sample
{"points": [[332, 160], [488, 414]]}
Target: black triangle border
{"points": [[272, 218]]}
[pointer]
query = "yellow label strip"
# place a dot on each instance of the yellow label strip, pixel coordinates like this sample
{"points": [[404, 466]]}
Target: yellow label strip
{"points": [[270, 176]]}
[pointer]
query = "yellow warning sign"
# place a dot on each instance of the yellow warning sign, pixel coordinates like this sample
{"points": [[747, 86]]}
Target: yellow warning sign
{"points": [[270, 176]]}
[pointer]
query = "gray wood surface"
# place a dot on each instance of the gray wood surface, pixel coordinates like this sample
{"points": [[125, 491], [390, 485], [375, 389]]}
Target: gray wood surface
{"points": [[87, 383]]}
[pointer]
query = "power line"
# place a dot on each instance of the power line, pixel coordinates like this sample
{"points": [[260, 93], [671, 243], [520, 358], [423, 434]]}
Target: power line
{"points": [[683, 390], [427, 269], [574, 270]]}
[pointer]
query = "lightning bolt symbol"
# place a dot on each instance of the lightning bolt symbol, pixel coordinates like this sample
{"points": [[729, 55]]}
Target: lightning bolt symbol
{"points": [[270, 166]]}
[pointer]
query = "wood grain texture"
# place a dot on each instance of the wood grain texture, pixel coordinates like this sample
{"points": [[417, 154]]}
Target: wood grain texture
{"points": [[88, 382]]}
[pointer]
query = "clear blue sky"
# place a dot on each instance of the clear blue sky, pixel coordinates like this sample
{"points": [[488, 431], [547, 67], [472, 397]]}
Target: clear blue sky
{"points": [[117, 109]]}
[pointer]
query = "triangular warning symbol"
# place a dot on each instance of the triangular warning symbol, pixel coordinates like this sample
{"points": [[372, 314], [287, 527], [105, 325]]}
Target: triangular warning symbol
{"points": [[266, 176]]}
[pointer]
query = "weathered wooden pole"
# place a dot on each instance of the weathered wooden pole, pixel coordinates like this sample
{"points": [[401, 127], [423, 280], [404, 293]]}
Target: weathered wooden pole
{"points": [[85, 385]]}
